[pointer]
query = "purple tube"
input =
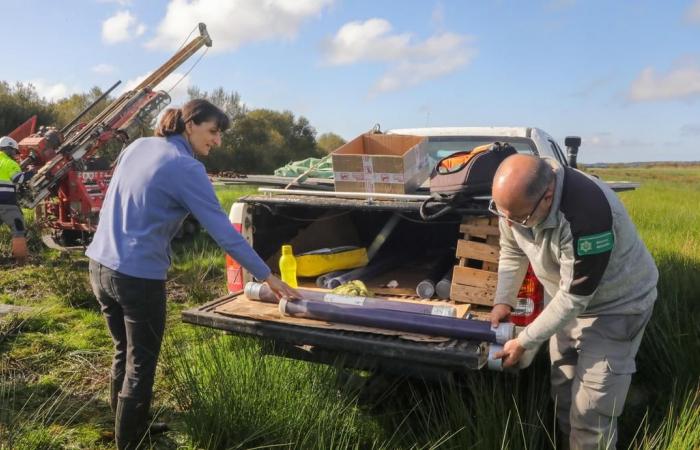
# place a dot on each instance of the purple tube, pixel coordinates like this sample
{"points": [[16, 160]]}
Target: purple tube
{"points": [[479, 330], [262, 292]]}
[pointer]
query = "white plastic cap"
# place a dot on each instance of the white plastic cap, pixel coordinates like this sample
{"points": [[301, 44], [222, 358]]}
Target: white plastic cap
{"points": [[252, 290]]}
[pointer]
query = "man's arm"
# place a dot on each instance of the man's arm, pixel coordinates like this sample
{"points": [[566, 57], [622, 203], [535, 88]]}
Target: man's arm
{"points": [[581, 272], [512, 266]]}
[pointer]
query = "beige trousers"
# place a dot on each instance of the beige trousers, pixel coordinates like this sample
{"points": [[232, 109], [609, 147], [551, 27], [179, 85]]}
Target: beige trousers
{"points": [[592, 366]]}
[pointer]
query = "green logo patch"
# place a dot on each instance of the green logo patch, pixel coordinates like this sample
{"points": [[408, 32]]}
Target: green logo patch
{"points": [[595, 243]]}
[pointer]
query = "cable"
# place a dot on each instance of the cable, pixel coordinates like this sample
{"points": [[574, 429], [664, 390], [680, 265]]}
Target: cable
{"points": [[187, 38], [188, 70]]}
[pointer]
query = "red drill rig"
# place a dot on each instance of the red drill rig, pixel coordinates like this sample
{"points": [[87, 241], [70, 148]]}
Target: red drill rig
{"points": [[67, 190]]}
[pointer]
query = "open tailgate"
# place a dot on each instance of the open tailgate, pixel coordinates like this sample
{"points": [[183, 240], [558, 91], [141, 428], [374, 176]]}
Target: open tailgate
{"points": [[360, 350]]}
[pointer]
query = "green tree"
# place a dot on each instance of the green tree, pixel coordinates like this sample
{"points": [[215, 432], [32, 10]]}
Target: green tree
{"points": [[267, 139], [18, 103], [260, 140], [67, 109], [328, 142]]}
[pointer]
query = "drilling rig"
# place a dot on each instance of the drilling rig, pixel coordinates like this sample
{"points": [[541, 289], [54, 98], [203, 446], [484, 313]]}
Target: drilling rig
{"points": [[66, 191]]}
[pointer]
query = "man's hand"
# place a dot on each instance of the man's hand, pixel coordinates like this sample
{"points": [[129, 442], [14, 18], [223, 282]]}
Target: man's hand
{"points": [[511, 353], [280, 288], [499, 312]]}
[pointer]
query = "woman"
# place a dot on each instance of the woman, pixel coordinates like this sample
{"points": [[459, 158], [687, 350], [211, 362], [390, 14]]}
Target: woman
{"points": [[156, 183]]}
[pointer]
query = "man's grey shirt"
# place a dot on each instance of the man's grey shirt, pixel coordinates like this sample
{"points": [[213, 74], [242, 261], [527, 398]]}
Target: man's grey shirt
{"points": [[586, 253]]}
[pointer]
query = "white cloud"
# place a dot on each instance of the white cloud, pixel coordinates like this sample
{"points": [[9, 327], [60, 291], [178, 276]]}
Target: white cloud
{"points": [[53, 91], [681, 82], [177, 94], [409, 63], [692, 15], [121, 27], [103, 69], [233, 23]]}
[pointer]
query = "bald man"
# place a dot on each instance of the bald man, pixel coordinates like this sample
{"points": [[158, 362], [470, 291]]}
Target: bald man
{"points": [[574, 231]]}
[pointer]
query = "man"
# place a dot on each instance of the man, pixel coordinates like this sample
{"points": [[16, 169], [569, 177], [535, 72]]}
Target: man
{"points": [[582, 246], [10, 175]]}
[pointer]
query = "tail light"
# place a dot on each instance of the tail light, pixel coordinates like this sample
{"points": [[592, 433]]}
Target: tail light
{"points": [[234, 271], [530, 300]]}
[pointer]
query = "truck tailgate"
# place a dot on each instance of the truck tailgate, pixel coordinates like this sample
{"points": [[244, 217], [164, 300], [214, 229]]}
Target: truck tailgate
{"points": [[357, 349]]}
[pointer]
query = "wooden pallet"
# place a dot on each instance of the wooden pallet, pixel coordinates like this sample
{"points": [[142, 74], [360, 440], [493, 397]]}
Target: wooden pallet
{"points": [[474, 278]]}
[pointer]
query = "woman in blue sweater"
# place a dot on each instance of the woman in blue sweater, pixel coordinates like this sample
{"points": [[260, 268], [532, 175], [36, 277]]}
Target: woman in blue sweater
{"points": [[156, 183]]}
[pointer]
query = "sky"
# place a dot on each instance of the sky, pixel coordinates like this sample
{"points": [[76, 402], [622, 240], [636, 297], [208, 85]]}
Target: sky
{"points": [[624, 75]]}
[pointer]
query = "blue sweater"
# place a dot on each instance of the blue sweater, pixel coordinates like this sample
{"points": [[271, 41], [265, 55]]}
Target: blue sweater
{"points": [[157, 181]]}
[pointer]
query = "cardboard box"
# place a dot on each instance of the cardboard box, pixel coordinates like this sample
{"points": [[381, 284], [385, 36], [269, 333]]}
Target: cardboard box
{"points": [[383, 163]]}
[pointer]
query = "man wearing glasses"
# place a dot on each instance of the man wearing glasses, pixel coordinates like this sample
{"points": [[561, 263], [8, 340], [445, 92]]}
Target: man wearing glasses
{"points": [[583, 247]]}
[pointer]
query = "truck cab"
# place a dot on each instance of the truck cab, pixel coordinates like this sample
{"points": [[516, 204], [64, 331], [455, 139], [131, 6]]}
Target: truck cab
{"points": [[318, 218]]}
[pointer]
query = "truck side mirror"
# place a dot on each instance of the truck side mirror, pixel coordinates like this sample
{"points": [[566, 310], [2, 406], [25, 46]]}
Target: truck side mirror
{"points": [[572, 144]]}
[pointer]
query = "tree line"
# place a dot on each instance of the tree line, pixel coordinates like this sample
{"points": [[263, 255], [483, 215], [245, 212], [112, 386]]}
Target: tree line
{"points": [[258, 141]]}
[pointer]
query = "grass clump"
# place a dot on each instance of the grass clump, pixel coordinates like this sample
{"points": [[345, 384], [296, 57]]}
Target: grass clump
{"points": [[232, 397]]}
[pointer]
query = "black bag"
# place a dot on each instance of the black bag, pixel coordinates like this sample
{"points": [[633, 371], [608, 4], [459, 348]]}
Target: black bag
{"points": [[456, 179]]}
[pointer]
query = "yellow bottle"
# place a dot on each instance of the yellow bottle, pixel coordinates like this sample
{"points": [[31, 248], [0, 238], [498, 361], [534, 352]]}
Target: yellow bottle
{"points": [[288, 266]]}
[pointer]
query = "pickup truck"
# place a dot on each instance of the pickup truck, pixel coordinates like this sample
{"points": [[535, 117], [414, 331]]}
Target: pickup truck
{"points": [[275, 216]]}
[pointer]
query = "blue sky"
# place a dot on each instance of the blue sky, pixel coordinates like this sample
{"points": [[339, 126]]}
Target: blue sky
{"points": [[624, 75]]}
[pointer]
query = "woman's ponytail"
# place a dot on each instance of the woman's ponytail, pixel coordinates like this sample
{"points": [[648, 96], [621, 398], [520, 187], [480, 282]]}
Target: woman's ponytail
{"points": [[170, 123]]}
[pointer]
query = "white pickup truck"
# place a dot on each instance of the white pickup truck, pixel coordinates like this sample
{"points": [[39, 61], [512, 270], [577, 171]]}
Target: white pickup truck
{"points": [[276, 216]]}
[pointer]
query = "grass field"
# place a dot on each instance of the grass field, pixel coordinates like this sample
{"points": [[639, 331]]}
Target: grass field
{"points": [[219, 391]]}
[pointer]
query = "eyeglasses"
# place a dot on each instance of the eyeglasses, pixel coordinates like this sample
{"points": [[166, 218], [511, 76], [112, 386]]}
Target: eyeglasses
{"points": [[494, 210]]}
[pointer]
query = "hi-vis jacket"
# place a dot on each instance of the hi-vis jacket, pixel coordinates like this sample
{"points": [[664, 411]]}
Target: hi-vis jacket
{"points": [[10, 174], [586, 253]]}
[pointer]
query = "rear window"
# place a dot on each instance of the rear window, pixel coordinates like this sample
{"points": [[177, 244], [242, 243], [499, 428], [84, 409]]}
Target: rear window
{"points": [[442, 146]]}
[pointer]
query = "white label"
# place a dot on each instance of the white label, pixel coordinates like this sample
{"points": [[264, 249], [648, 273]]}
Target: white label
{"points": [[440, 310], [391, 178], [344, 299]]}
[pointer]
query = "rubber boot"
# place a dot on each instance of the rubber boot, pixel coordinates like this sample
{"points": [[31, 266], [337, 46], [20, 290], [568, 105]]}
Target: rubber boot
{"points": [[19, 250], [130, 422]]}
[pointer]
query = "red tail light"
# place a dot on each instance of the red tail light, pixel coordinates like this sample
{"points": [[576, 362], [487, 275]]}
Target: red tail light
{"points": [[530, 300], [234, 271]]}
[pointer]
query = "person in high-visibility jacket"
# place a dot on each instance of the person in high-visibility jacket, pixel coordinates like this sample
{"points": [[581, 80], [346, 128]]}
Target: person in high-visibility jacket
{"points": [[10, 213]]}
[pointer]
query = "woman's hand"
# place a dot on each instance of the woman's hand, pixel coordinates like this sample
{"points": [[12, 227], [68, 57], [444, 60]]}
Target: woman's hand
{"points": [[280, 288], [499, 312]]}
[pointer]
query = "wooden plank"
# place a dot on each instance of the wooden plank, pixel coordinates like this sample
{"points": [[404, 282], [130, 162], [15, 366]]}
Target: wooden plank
{"points": [[471, 294], [475, 277], [476, 220], [489, 266], [462, 309], [494, 240], [477, 250], [481, 231]]}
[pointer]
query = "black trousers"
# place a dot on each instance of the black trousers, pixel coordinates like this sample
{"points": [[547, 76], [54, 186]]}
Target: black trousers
{"points": [[134, 309]]}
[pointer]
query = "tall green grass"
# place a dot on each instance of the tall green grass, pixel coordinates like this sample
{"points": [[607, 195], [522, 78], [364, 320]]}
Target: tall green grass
{"points": [[232, 397]]}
